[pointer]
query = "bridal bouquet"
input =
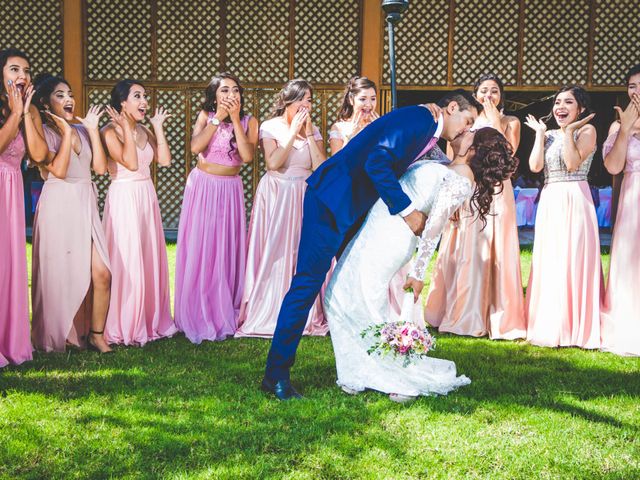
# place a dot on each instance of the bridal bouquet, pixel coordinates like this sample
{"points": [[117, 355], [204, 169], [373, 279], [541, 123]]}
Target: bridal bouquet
{"points": [[401, 339]]}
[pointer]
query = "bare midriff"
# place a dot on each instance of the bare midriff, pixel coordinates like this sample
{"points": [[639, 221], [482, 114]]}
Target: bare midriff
{"points": [[217, 169]]}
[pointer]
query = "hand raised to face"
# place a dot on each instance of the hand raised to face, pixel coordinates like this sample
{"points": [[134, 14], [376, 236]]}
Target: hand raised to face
{"points": [[91, 121]]}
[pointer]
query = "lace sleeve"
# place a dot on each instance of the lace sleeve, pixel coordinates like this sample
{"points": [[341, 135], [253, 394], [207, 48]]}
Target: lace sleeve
{"points": [[454, 191]]}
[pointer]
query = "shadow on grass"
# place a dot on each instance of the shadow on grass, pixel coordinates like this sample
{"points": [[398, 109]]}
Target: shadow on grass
{"points": [[173, 407]]}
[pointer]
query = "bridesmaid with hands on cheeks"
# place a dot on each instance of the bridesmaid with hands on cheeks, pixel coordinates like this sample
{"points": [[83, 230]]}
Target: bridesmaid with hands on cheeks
{"points": [[20, 131], [358, 110], [477, 282], [292, 148], [211, 251], [71, 278], [139, 310], [565, 284], [621, 151]]}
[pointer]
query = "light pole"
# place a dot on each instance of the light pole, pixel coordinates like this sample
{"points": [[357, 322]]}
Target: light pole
{"points": [[394, 10]]}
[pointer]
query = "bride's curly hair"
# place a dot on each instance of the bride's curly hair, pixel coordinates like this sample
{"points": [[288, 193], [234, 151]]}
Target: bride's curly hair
{"points": [[492, 162]]}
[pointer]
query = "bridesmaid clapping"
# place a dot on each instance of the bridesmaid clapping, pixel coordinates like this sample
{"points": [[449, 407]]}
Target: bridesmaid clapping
{"points": [[563, 296], [211, 251], [621, 310], [71, 278], [139, 310]]}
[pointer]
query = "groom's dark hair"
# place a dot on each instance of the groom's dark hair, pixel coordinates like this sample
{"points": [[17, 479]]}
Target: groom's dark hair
{"points": [[464, 99]]}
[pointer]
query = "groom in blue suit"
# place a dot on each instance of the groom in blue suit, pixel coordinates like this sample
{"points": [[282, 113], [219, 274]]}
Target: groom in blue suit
{"points": [[339, 195]]}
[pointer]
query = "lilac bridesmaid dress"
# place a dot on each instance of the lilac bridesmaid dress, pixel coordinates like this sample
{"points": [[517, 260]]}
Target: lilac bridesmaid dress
{"points": [[15, 345], [139, 310], [211, 251]]}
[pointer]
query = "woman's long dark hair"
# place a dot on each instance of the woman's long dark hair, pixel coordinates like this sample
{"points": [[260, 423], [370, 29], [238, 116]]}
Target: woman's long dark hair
{"points": [[493, 77], [582, 99], [353, 88], [45, 84], [5, 55], [293, 91], [120, 92], [492, 163], [630, 73], [211, 105]]}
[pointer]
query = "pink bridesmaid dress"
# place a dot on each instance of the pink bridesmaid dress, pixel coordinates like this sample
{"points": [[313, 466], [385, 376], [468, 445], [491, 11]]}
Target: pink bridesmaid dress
{"points": [[620, 317], [15, 344], [476, 288], [65, 227], [274, 234], [139, 310], [211, 250], [564, 292]]}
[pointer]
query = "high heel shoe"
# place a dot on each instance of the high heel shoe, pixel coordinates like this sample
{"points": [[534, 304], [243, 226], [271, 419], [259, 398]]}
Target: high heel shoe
{"points": [[93, 347]]}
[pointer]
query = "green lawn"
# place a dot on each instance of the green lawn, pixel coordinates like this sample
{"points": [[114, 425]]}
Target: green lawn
{"points": [[176, 410]]}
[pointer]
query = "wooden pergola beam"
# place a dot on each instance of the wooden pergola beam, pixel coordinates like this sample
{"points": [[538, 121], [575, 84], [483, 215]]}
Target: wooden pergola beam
{"points": [[73, 48]]}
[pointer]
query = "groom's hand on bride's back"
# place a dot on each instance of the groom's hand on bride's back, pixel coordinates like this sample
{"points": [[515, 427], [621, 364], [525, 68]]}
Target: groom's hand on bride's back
{"points": [[416, 221]]}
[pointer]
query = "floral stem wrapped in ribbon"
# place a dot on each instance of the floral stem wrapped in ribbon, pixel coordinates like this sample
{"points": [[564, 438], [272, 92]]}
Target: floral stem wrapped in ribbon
{"points": [[402, 338]]}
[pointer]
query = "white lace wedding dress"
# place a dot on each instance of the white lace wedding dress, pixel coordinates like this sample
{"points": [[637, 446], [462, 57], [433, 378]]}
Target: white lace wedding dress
{"points": [[357, 295]]}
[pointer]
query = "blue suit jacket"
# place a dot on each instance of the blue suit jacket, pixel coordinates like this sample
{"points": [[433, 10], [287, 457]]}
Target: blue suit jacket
{"points": [[369, 166]]}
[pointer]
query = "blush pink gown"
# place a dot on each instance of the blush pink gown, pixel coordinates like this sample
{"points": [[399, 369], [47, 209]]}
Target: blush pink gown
{"points": [[65, 227], [564, 291], [621, 308], [139, 310], [211, 251], [274, 234], [15, 344], [476, 288]]}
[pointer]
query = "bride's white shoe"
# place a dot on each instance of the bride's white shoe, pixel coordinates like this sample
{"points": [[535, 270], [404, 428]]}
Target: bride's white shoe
{"points": [[396, 397], [349, 391]]}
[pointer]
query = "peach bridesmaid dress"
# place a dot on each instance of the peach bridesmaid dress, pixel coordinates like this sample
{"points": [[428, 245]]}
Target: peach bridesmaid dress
{"points": [[476, 288]]}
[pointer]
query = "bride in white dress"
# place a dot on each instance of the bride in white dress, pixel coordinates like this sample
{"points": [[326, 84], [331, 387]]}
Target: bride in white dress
{"points": [[357, 295]]}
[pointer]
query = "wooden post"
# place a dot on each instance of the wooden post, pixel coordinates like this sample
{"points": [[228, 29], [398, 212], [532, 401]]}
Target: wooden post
{"points": [[73, 48], [372, 38]]}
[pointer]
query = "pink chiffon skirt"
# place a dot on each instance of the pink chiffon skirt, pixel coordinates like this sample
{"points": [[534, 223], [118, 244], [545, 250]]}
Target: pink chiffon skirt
{"points": [[274, 235], [210, 257], [564, 292], [621, 309], [140, 309], [15, 342], [476, 288]]}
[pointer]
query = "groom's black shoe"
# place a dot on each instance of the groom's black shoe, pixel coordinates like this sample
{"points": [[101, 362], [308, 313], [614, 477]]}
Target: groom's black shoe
{"points": [[282, 389]]}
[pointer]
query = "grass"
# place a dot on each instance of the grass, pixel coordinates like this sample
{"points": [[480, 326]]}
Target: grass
{"points": [[177, 410]]}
